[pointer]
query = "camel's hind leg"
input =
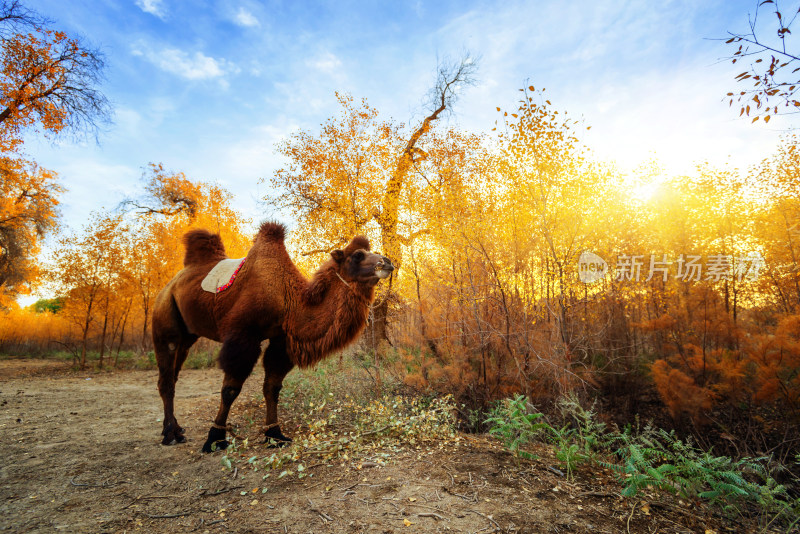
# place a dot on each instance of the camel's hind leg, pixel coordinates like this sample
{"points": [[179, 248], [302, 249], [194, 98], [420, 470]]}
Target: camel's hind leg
{"points": [[276, 366], [169, 365], [172, 343]]}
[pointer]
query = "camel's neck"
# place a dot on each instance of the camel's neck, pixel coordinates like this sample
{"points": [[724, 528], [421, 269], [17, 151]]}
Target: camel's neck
{"points": [[326, 320]]}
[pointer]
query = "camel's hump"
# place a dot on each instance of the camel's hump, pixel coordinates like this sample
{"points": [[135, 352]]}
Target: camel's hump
{"points": [[272, 231], [202, 247]]}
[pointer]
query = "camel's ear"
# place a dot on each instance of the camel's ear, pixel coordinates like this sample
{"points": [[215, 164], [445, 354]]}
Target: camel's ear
{"points": [[337, 255]]}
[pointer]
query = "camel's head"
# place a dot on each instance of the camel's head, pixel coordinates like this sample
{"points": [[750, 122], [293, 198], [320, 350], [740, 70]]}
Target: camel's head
{"points": [[357, 263]]}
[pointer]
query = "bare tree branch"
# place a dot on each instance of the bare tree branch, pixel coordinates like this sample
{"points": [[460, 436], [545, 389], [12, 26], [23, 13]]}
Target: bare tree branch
{"points": [[773, 73]]}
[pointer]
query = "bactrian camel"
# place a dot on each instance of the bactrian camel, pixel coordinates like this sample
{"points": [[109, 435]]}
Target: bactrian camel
{"points": [[269, 299]]}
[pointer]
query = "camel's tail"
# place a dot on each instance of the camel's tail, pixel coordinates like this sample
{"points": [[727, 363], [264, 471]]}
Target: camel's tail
{"points": [[202, 247]]}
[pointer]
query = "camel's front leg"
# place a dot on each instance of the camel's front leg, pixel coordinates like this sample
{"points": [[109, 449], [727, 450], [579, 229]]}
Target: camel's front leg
{"points": [[237, 359], [276, 366], [231, 388]]}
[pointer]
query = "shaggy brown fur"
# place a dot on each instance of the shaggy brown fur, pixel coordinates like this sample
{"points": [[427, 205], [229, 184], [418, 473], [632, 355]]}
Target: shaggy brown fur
{"points": [[270, 299]]}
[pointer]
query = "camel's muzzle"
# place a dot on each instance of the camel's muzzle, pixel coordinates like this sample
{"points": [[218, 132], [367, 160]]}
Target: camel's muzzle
{"points": [[384, 268]]}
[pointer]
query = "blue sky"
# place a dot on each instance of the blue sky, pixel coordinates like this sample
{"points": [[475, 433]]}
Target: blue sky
{"points": [[209, 87]]}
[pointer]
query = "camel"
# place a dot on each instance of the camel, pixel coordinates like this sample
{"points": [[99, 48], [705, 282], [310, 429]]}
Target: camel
{"points": [[269, 299]]}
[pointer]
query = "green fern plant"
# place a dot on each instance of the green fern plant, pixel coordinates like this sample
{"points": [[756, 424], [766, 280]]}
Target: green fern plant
{"points": [[670, 464], [589, 433], [567, 448], [516, 425], [647, 457]]}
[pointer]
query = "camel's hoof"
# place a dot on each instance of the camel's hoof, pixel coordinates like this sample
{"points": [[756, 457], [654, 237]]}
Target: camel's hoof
{"points": [[173, 434], [173, 440], [211, 446], [275, 438], [216, 440]]}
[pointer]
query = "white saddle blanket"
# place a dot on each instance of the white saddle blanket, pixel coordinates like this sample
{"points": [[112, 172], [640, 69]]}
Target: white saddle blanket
{"points": [[222, 275]]}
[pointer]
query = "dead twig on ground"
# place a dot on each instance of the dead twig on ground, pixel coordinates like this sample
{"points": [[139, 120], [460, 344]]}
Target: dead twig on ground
{"points": [[558, 472], [468, 498], [316, 465], [322, 515], [430, 514], [205, 492], [104, 484], [496, 525], [628, 524]]}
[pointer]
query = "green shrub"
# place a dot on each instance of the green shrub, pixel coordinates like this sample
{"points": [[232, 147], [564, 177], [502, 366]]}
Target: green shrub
{"points": [[145, 361], [200, 359]]}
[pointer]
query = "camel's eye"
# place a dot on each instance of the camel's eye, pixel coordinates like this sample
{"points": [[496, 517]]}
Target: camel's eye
{"points": [[358, 256]]}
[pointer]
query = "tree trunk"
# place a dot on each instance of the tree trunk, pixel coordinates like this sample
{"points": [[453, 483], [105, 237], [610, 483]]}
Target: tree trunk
{"points": [[83, 346], [103, 335], [380, 321], [87, 321], [422, 324], [122, 332], [144, 325], [390, 212]]}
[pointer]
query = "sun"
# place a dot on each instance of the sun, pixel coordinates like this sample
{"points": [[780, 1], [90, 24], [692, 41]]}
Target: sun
{"points": [[645, 192]]}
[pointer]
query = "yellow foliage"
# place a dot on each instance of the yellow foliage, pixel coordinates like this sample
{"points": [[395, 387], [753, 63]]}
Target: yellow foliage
{"points": [[23, 331], [28, 203]]}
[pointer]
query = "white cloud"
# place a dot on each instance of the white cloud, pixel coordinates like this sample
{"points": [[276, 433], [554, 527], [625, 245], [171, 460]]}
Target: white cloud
{"points": [[197, 66], [245, 18], [154, 7], [327, 63], [192, 67]]}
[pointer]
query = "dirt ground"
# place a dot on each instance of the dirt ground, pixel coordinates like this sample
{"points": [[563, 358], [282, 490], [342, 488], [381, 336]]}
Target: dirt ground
{"points": [[83, 454]]}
